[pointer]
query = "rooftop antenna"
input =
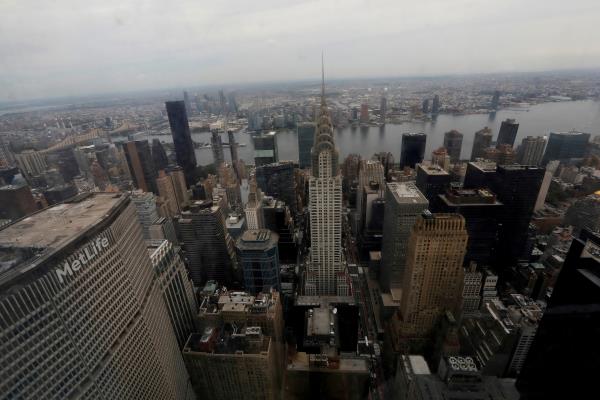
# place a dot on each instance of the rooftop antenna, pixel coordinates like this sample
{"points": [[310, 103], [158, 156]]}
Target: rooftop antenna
{"points": [[322, 78]]}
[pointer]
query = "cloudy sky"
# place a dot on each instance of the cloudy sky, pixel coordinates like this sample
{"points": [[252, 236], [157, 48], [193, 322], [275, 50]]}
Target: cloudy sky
{"points": [[78, 47]]}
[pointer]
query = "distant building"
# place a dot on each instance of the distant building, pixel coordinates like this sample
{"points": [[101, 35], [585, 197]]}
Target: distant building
{"points": [[566, 146], [16, 201], [425, 106], [258, 259], [369, 172], [482, 140], [364, 113], [531, 150], [141, 166], [58, 194], [265, 148], [383, 108], [159, 155], [147, 213], [31, 162], [508, 132], [233, 149], [495, 100], [277, 180], [182, 139], [480, 174], [306, 138], [441, 158], [453, 144], [502, 154], [435, 105], [471, 292], [217, 148], [413, 149], [432, 180]]}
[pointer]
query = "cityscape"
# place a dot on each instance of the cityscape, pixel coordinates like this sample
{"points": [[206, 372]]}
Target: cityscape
{"points": [[394, 237]]}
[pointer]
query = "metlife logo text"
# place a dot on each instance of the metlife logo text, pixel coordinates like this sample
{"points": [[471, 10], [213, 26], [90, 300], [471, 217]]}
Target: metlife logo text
{"points": [[82, 258]]}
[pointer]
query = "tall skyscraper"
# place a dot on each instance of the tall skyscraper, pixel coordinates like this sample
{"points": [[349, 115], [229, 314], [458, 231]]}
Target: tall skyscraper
{"points": [[383, 108], [368, 171], [483, 140], [566, 145], [432, 180], [166, 190], [81, 307], [147, 213], [141, 166], [435, 105], [566, 346], [531, 150], [159, 155], [265, 148], [182, 139], [413, 149], [434, 272], [453, 143], [217, 148], [403, 204], [277, 180], [364, 113], [258, 259], [306, 139], [502, 155], [325, 208], [508, 132]]}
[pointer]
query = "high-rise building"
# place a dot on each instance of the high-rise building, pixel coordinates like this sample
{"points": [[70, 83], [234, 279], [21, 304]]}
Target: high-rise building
{"points": [[508, 132], [403, 204], [441, 158], [65, 161], [471, 292], [16, 201], [166, 190], [278, 218], [265, 148], [147, 213], [425, 106], [551, 168], [182, 139], [368, 171], [503, 154], [566, 347], [277, 180], [435, 105], [31, 162], [413, 149], [531, 150], [258, 259], [306, 139], [479, 174], [383, 108], [434, 272], [566, 145], [217, 148], [432, 180], [482, 140], [141, 166], [159, 155], [82, 310], [364, 113], [387, 160], [325, 209], [176, 288], [453, 144], [188, 104], [253, 209]]}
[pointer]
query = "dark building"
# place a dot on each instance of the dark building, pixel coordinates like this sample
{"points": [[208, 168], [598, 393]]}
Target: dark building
{"points": [[387, 160], [435, 105], [566, 145], [60, 193], [508, 132], [453, 144], [413, 149], [495, 100], [159, 155], [482, 212], [65, 161], [259, 260], [306, 139], [277, 180], [265, 149], [277, 218], [370, 233], [432, 181], [217, 148], [425, 106], [182, 139], [233, 148], [479, 174], [482, 140], [566, 348], [188, 104], [16, 201], [141, 166]]}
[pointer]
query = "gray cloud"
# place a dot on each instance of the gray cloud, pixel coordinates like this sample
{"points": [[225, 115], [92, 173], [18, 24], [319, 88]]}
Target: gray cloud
{"points": [[72, 47]]}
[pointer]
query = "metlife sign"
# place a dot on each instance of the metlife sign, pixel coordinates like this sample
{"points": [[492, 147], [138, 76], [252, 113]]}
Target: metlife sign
{"points": [[83, 257]]}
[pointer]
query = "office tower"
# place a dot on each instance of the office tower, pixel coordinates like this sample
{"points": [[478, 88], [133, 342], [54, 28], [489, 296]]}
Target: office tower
{"points": [[453, 144], [233, 148], [482, 213], [413, 149], [230, 183], [16, 201], [188, 104], [278, 218], [258, 259], [471, 292], [277, 180], [145, 205], [495, 100], [435, 105], [182, 139], [364, 113], [217, 148], [141, 167], [531, 150], [166, 190], [425, 106], [387, 160], [479, 174], [501, 155], [176, 288], [441, 158], [207, 245], [265, 148], [432, 180], [434, 272], [163, 229], [306, 139], [507, 133], [383, 108], [31, 162], [403, 204], [59, 193], [159, 155], [64, 160], [253, 209], [350, 167], [482, 140], [584, 213], [80, 284], [566, 145], [325, 210], [369, 171], [236, 225], [566, 348]]}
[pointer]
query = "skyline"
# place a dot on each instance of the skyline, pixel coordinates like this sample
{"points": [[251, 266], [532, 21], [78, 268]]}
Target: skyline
{"points": [[214, 44]]}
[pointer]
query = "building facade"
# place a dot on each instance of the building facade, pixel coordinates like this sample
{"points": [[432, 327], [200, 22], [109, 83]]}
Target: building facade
{"points": [[306, 139], [453, 143], [258, 258], [413, 149], [483, 140], [182, 139]]}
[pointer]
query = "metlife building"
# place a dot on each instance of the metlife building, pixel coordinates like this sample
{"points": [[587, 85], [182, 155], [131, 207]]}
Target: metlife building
{"points": [[81, 311]]}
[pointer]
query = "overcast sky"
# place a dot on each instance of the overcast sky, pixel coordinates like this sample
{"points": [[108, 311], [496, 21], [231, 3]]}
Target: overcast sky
{"points": [[78, 47]]}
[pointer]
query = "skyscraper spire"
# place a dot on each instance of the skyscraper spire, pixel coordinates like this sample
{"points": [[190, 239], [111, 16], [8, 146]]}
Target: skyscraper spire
{"points": [[322, 79]]}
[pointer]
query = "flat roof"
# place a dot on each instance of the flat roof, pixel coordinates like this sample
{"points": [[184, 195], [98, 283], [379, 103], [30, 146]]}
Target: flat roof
{"points": [[406, 192], [433, 169]]}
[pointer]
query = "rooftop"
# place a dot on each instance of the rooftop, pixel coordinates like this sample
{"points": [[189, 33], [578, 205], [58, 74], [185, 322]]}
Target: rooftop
{"points": [[433, 169], [406, 192]]}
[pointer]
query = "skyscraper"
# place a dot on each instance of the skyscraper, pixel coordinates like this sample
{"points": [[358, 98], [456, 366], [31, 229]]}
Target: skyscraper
{"points": [[364, 113], [182, 139], [508, 132], [369, 171], [425, 106], [495, 100], [145, 207], [502, 154], [253, 209], [306, 139], [403, 204], [434, 272], [325, 208], [453, 143], [265, 148], [435, 105], [258, 259], [483, 140], [531, 150], [159, 155], [383, 108], [81, 287], [413, 149], [188, 104], [217, 148], [432, 181], [17, 201], [277, 180], [566, 145], [141, 166]]}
